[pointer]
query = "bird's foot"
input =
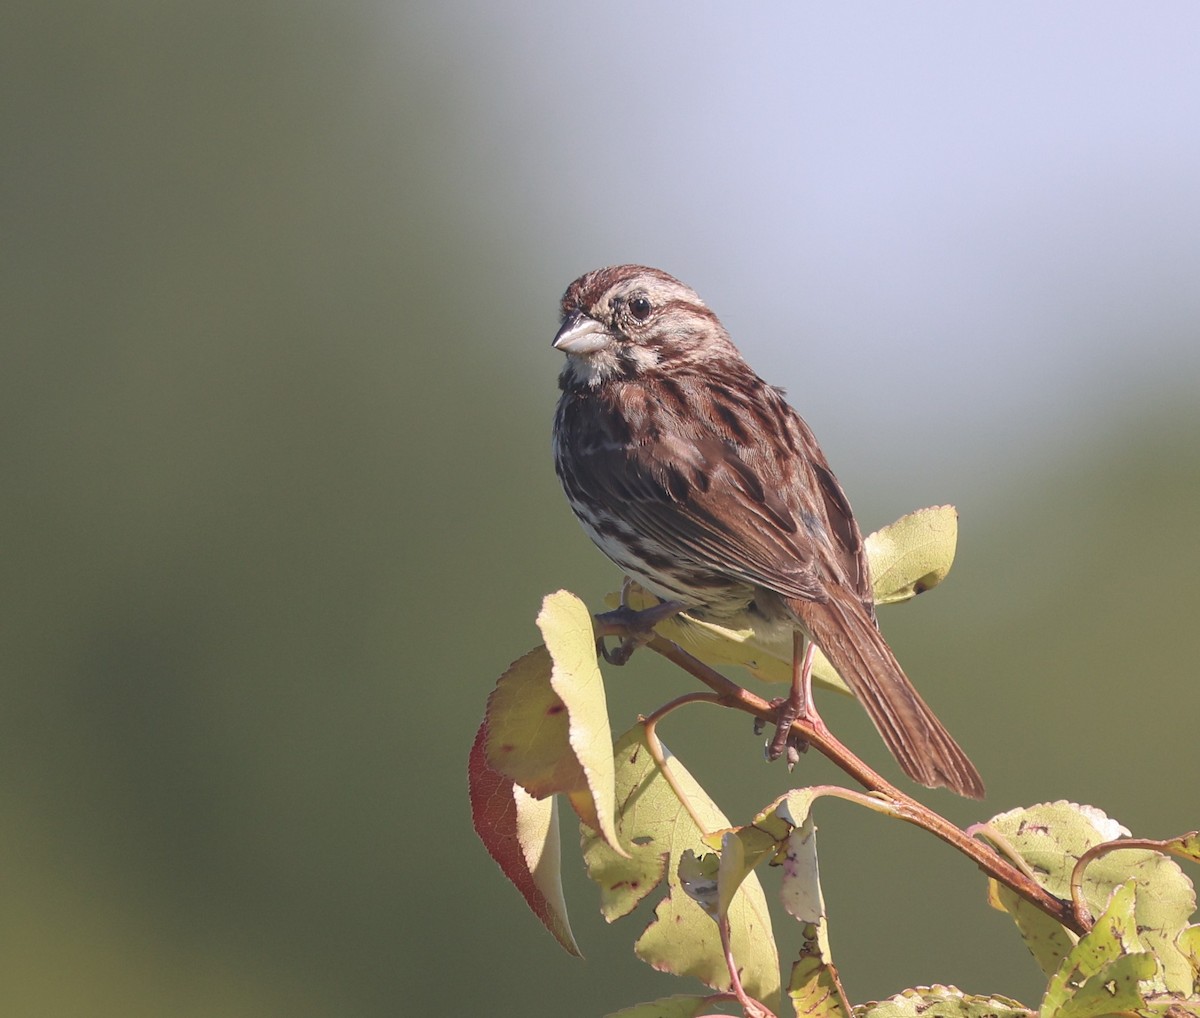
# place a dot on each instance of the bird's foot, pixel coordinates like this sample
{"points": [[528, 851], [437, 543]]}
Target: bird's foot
{"points": [[786, 740], [638, 625]]}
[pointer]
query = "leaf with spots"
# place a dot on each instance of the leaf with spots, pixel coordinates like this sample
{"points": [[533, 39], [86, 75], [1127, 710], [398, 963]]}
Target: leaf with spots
{"points": [[1186, 846], [1103, 973], [547, 718], [943, 1002], [814, 987], [1051, 838], [1047, 939], [681, 938], [1188, 943], [785, 834]]}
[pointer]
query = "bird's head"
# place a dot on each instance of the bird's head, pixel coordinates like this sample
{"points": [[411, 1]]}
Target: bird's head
{"points": [[626, 320]]}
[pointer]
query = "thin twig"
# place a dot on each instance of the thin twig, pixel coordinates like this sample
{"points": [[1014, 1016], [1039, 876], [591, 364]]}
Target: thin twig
{"points": [[650, 724], [751, 1008], [1079, 904]]}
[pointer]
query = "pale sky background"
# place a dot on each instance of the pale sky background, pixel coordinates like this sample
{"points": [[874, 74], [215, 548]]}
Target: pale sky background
{"points": [[989, 210]]}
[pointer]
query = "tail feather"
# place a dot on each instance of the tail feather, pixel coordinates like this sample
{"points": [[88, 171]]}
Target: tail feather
{"points": [[920, 743]]}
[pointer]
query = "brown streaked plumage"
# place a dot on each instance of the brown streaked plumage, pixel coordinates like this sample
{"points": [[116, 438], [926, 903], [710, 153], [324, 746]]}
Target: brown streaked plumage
{"points": [[699, 480]]}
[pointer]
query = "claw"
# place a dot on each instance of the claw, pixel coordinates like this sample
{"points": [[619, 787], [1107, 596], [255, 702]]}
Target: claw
{"points": [[639, 625], [787, 711], [792, 753]]}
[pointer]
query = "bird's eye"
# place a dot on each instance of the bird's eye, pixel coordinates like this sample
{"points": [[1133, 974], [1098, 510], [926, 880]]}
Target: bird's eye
{"points": [[639, 307]]}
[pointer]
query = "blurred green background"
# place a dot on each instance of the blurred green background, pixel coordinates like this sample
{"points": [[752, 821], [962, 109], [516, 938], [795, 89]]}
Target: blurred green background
{"points": [[278, 287]]}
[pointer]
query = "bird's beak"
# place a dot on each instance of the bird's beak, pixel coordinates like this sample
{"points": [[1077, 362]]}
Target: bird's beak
{"points": [[581, 335]]}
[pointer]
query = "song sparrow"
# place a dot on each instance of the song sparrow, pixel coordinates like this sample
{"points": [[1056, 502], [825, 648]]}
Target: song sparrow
{"points": [[699, 480]]}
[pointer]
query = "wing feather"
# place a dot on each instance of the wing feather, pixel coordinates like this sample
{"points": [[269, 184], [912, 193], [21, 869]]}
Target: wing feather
{"points": [[756, 513]]}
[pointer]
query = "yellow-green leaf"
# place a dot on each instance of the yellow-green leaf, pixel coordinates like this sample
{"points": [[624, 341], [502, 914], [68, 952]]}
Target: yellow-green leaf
{"points": [[528, 729], [1047, 939], [1052, 836], [537, 834], [680, 939], [1102, 973], [566, 626], [1186, 846], [1188, 943], [1169, 1005], [813, 986], [720, 645], [666, 1007], [1165, 902], [734, 869], [712, 880], [913, 554], [943, 1002]]}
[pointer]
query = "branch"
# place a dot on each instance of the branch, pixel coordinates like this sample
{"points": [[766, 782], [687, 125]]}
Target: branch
{"points": [[730, 694]]}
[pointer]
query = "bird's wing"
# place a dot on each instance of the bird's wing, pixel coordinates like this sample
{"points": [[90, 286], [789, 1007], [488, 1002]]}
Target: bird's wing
{"points": [[704, 502]]}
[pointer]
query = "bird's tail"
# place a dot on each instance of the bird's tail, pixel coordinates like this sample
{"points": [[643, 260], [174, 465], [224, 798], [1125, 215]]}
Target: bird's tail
{"points": [[918, 740]]}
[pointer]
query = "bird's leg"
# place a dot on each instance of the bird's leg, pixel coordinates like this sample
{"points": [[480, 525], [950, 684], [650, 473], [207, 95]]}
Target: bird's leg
{"points": [[639, 625], [798, 706]]}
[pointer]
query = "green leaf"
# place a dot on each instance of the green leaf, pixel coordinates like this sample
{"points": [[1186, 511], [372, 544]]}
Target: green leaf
{"points": [[680, 939], [1047, 939], [666, 1007], [1051, 837], [1165, 901], [1186, 846], [813, 985], [1188, 943], [785, 833], [528, 731], [1171, 1006], [732, 872], [712, 880], [566, 626], [943, 1002], [913, 554], [1103, 972]]}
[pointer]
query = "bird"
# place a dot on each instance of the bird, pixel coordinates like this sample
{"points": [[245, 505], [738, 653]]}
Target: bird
{"points": [[703, 484]]}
